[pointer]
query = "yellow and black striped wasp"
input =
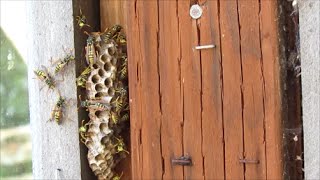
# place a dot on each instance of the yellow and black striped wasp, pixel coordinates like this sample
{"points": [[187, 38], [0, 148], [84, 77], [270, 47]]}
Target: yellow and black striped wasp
{"points": [[121, 90], [121, 39], [83, 131], [117, 177], [44, 76], [126, 116], [110, 33], [91, 53], [82, 79], [82, 20], [119, 104], [120, 146], [95, 104], [123, 72], [57, 113], [114, 117], [61, 64]]}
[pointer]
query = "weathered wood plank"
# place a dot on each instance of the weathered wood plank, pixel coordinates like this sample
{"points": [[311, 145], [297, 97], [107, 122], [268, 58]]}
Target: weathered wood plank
{"points": [[232, 90], [53, 146], [113, 12], [134, 76], [309, 19], [273, 92], [171, 102], [190, 88], [252, 88], [212, 125], [144, 86]]}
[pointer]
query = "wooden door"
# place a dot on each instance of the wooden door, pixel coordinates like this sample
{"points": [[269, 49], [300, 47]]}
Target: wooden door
{"points": [[219, 106]]}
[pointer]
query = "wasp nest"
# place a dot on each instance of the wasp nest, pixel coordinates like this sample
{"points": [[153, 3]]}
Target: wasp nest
{"points": [[107, 103]]}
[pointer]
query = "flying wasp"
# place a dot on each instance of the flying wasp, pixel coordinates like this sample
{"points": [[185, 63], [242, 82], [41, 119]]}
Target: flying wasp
{"points": [[44, 76], [82, 20], [120, 146], [82, 79], [110, 33]]}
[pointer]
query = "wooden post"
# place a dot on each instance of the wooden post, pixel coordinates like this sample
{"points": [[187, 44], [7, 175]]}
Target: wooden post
{"points": [[220, 106], [56, 148]]}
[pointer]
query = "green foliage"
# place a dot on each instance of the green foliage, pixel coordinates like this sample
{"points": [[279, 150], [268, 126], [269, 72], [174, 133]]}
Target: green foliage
{"points": [[16, 169], [14, 109]]}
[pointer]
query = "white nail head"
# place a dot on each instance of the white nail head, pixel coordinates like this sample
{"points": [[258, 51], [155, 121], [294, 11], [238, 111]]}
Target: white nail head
{"points": [[195, 11]]}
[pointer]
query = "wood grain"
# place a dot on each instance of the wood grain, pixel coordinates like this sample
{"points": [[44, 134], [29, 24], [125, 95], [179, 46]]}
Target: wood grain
{"points": [[252, 88], [144, 89], [170, 89], [273, 88], [209, 104], [232, 90], [113, 12], [190, 88], [212, 123]]}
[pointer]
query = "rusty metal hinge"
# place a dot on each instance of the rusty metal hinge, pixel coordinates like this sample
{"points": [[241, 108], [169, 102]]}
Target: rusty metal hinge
{"points": [[182, 161]]}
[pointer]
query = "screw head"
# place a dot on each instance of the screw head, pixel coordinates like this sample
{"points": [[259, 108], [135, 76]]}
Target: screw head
{"points": [[195, 11]]}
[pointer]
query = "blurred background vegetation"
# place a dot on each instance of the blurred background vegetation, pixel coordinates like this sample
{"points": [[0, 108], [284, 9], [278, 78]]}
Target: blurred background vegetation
{"points": [[15, 144], [13, 85]]}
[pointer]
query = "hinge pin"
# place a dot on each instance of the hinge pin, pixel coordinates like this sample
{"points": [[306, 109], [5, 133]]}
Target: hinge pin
{"points": [[246, 161], [183, 161]]}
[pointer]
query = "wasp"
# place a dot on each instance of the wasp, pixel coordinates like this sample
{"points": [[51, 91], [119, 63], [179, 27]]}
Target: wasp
{"points": [[94, 104], [83, 130], [121, 90], [125, 117], [120, 146], [82, 79], [123, 73], [117, 177], [91, 54], [44, 76], [121, 39], [110, 33], [82, 20], [56, 113], [65, 61], [114, 117], [119, 104]]}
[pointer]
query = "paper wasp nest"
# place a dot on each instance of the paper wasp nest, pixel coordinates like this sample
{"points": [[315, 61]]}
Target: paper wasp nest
{"points": [[101, 87]]}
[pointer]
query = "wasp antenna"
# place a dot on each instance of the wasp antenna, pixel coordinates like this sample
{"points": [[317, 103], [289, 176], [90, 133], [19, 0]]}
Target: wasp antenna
{"points": [[85, 32]]}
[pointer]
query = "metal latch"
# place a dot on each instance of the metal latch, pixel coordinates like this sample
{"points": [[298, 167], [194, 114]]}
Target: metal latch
{"points": [[182, 161]]}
